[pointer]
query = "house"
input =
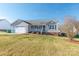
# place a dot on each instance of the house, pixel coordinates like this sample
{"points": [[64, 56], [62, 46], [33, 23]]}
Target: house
{"points": [[35, 26], [5, 25]]}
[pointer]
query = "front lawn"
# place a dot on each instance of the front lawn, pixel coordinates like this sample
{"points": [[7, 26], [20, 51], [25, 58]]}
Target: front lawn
{"points": [[36, 45]]}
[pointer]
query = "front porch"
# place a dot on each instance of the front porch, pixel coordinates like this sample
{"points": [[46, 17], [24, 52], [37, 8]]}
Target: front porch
{"points": [[40, 29]]}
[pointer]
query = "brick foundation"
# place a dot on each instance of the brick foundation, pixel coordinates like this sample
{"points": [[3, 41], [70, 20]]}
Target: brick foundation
{"points": [[48, 33], [52, 33]]}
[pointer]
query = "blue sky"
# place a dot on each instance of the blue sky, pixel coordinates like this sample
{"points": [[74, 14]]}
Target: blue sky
{"points": [[33, 11]]}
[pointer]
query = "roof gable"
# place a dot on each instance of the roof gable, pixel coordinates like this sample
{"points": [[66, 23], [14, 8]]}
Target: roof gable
{"points": [[18, 22], [52, 22]]}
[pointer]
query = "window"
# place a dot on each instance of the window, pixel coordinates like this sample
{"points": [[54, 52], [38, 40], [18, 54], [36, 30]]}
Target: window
{"points": [[32, 27], [43, 28], [51, 27], [55, 27]]}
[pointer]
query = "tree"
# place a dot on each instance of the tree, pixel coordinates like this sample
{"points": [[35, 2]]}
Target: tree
{"points": [[76, 23], [69, 27]]}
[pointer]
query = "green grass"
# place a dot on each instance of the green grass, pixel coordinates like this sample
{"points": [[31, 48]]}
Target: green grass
{"points": [[36, 45]]}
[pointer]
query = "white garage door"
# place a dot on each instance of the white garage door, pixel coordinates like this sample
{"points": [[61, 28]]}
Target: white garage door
{"points": [[20, 30]]}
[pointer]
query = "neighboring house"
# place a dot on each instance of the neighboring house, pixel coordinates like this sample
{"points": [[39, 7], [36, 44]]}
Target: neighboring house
{"points": [[35, 26], [5, 26]]}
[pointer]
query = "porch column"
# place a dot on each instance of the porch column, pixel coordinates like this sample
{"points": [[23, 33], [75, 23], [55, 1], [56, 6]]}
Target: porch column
{"points": [[41, 29]]}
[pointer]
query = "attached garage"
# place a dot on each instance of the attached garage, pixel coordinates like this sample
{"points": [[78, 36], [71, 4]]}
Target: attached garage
{"points": [[21, 30], [20, 27]]}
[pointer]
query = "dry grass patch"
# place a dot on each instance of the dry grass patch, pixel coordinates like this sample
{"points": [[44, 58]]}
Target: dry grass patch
{"points": [[36, 45]]}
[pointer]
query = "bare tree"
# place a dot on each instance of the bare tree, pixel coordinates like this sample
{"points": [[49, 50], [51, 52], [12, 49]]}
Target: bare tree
{"points": [[76, 23], [69, 27]]}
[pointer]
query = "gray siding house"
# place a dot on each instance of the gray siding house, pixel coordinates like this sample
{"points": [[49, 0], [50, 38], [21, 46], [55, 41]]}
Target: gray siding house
{"points": [[35, 26], [5, 25]]}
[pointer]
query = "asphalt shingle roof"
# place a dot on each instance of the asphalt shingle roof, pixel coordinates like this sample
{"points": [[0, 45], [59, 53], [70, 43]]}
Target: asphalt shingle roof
{"points": [[34, 22]]}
